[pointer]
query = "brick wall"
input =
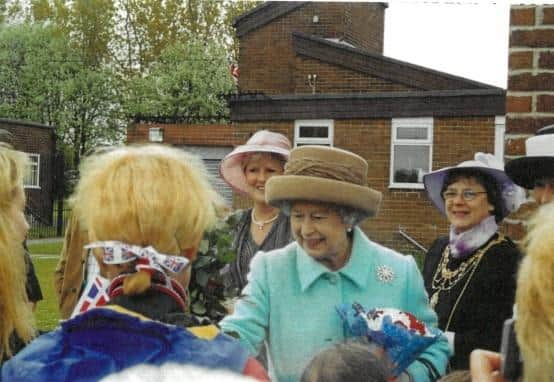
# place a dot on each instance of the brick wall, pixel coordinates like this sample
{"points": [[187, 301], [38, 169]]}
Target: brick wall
{"points": [[530, 95], [34, 139], [455, 140], [194, 135], [334, 79], [266, 57]]}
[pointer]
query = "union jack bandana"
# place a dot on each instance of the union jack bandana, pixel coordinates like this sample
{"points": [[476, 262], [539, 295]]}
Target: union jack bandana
{"points": [[116, 252]]}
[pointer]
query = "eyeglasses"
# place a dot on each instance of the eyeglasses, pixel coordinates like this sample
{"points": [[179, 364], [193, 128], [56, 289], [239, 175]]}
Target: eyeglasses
{"points": [[467, 195]]}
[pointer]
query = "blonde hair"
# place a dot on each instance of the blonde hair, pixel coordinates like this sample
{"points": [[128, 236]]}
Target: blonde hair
{"points": [[146, 195], [15, 312], [535, 299]]}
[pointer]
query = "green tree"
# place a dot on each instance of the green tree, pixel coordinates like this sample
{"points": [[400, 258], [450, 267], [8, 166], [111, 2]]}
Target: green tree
{"points": [[144, 28], [188, 82], [43, 78], [73, 61]]}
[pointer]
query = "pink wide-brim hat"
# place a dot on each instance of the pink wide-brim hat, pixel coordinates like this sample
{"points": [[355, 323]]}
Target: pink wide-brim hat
{"points": [[264, 141]]}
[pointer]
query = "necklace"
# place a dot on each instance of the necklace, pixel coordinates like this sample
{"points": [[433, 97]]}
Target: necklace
{"points": [[261, 224], [445, 279]]}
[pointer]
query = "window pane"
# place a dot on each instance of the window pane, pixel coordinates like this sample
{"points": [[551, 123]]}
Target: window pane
{"points": [[31, 175], [410, 163], [312, 144], [411, 133], [313, 132]]}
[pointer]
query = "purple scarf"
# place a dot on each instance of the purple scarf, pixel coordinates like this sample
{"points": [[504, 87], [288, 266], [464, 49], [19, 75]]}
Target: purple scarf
{"points": [[464, 243]]}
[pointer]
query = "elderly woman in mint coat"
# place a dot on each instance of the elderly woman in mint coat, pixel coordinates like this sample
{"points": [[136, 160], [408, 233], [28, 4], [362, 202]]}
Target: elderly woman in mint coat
{"points": [[292, 293]]}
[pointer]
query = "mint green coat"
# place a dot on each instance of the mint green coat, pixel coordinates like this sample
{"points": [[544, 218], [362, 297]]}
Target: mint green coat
{"points": [[290, 302]]}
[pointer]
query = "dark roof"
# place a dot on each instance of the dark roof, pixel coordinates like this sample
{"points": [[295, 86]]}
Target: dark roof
{"points": [[263, 14], [377, 65], [445, 103], [12, 122]]}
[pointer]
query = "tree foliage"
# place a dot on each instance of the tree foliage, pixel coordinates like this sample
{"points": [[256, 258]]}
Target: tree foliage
{"points": [[209, 285], [78, 64], [44, 79], [187, 82]]}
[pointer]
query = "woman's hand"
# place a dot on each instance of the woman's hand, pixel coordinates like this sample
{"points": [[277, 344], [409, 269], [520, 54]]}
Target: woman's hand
{"points": [[485, 366]]}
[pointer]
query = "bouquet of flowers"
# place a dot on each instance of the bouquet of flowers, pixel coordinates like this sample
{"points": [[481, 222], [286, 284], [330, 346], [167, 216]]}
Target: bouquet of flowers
{"points": [[402, 336]]}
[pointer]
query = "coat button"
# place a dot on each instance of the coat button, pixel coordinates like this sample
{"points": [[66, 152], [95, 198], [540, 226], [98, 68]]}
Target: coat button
{"points": [[74, 290]]}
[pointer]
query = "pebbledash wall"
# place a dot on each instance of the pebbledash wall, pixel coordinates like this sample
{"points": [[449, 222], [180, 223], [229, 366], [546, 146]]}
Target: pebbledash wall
{"points": [[360, 91], [530, 94]]}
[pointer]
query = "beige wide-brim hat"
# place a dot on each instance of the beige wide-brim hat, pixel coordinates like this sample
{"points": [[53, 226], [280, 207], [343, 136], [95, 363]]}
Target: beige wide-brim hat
{"points": [[327, 175], [264, 141]]}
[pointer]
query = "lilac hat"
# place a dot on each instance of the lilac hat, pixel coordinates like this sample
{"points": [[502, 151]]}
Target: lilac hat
{"points": [[512, 195], [264, 141]]}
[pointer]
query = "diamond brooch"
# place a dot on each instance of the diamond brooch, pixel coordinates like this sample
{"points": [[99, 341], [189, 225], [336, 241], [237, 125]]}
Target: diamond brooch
{"points": [[385, 274]]}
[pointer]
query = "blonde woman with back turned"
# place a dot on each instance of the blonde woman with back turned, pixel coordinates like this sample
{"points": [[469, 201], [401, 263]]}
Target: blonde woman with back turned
{"points": [[16, 321], [145, 209]]}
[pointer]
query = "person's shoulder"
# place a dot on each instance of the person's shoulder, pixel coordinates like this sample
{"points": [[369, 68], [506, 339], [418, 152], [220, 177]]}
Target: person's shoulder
{"points": [[276, 257], [236, 216], [386, 255], [505, 247], [439, 243], [507, 242]]}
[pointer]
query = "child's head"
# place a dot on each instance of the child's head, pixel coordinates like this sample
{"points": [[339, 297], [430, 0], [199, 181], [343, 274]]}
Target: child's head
{"points": [[356, 360], [146, 195]]}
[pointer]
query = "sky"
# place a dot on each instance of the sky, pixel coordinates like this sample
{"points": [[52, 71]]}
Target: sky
{"points": [[467, 39]]}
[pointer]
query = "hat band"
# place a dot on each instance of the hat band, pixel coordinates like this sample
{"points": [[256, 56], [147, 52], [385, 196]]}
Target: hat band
{"points": [[321, 169]]}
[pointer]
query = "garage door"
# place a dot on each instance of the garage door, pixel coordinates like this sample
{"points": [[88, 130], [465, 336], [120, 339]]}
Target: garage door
{"points": [[212, 157]]}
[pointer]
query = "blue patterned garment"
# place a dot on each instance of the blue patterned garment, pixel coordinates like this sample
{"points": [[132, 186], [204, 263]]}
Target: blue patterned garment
{"points": [[103, 341]]}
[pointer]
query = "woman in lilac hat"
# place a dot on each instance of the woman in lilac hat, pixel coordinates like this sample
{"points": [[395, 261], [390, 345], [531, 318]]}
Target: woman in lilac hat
{"points": [[470, 274], [262, 227]]}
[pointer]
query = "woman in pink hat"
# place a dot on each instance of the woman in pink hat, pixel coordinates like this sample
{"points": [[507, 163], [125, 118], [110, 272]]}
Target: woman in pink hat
{"points": [[262, 227], [470, 274]]}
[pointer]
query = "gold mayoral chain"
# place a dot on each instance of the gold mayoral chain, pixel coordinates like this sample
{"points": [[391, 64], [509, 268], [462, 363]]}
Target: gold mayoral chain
{"points": [[261, 224], [445, 279]]}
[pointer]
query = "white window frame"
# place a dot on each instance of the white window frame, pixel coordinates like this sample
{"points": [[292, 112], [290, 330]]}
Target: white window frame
{"points": [[155, 134], [37, 164], [314, 141], [426, 122]]}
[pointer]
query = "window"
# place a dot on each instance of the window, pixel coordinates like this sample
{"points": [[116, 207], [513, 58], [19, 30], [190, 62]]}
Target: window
{"points": [[313, 132], [411, 151], [32, 176], [155, 134]]}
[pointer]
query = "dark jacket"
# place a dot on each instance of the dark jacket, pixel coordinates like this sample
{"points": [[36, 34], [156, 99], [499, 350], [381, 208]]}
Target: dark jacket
{"points": [[34, 293], [486, 302]]}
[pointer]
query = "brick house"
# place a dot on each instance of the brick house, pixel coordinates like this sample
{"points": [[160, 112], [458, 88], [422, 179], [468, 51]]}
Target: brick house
{"points": [[530, 95], [315, 72], [38, 141]]}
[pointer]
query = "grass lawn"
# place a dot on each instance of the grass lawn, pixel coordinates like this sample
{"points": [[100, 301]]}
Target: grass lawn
{"points": [[46, 314]]}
